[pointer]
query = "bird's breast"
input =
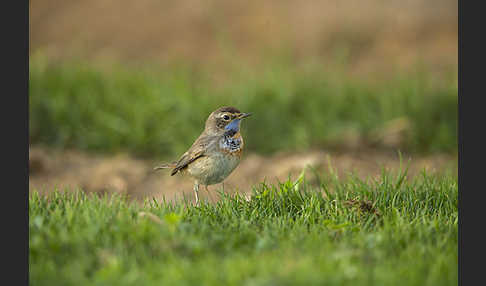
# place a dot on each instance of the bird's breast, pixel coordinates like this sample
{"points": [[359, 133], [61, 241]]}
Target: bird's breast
{"points": [[233, 145], [219, 161], [214, 167]]}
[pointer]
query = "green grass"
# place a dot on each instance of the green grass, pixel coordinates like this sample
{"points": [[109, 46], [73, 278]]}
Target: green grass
{"points": [[160, 112], [388, 231]]}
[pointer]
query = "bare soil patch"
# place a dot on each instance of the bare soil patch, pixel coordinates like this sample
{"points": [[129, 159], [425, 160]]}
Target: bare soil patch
{"points": [[69, 170]]}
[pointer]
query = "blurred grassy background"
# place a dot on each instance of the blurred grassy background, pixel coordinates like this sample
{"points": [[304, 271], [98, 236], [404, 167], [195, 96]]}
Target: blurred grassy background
{"points": [[142, 76], [162, 112]]}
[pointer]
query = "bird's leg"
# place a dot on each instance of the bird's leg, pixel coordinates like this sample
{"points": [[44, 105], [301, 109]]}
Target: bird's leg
{"points": [[207, 191], [196, 189]]}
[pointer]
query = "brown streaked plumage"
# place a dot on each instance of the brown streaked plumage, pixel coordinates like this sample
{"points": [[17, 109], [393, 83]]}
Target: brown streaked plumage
{"points": [[216, 152]]}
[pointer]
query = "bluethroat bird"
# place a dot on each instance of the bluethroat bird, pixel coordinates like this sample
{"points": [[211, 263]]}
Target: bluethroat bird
{"points": [[215, 153]]}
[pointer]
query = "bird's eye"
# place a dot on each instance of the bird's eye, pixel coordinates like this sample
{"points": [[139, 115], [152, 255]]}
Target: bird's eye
{"points": [[226, 117]]}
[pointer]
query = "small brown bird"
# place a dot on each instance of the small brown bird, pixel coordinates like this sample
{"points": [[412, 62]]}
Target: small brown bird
{"points": [[216, 152]]}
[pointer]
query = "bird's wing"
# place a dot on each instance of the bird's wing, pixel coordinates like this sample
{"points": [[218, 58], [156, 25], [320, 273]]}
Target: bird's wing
{"points": [[197, 150]]}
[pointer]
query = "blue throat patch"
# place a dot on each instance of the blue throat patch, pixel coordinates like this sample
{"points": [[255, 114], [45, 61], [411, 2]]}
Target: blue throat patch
{"points": [[233, 127], [227, 142]]}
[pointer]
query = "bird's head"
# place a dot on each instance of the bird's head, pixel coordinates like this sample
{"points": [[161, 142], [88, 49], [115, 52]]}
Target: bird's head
{"points": [[225, 119]]}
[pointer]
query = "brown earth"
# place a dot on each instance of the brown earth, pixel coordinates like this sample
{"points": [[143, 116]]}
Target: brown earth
{"points": [[220, 33], [124, 174]]}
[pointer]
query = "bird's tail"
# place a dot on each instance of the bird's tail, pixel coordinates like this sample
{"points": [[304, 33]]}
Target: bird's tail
{"points": [[165, 166]]}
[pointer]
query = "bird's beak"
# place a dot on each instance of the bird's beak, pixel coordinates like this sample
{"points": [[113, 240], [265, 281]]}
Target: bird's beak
{"points": [[243, 115]]}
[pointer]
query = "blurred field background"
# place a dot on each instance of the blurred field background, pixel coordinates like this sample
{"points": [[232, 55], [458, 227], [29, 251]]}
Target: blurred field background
{"points": [[119, 86]]}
